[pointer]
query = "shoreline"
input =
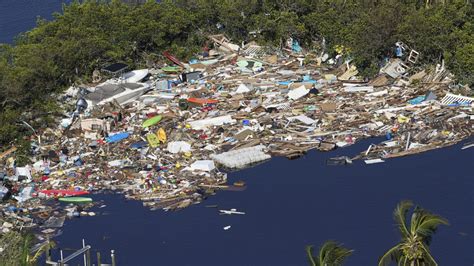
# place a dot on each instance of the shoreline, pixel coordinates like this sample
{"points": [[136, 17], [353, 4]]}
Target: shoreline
{"points": [[167, 151]]}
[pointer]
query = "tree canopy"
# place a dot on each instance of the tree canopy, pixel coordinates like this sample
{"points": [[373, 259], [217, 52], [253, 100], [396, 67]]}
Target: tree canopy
{"points": [[87, 34]]}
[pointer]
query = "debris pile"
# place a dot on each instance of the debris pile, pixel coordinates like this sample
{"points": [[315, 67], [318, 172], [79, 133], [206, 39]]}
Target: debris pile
{"points": [[161, 135]]}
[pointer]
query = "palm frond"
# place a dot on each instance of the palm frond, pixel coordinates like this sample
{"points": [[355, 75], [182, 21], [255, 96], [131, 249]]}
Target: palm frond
{"points": [[309, 254], [392, 254], [330, 253], [399, 215], [325, 251], [415, 219], [426, 224], [42, 249], [25, 250], [403, 261], [427, 256], [335, 253], [340, 254]]}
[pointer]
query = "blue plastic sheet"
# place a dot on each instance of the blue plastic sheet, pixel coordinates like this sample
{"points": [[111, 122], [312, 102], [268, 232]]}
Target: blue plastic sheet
{"points": [[296, 46], [417, 100], [117, 137], [139, 145]]}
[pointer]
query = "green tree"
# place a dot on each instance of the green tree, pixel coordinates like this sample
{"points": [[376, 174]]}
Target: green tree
{"points": [[17, 249], [372, 35], [416, 236], [330, 254], [331, 20], [89, 34]]}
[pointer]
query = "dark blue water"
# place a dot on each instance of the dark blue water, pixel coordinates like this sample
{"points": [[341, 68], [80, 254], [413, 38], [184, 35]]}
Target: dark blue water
{"points": [[17, 16], [289, 204]]}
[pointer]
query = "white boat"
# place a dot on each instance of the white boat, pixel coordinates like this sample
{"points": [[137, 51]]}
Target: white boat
{"points": [[112, 90], [134, 76], [373, 161]]}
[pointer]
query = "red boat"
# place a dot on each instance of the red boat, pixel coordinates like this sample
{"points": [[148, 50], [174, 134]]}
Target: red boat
{"points": [[63, 192]]}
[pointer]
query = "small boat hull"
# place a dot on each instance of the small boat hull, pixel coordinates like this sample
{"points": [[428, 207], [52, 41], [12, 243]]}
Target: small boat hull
{"points": [[63, 192], [135, 75], [151, 121], [76, 200]]}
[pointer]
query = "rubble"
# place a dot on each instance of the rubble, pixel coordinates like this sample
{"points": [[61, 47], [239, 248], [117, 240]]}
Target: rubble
{"points": [[168, 143]]}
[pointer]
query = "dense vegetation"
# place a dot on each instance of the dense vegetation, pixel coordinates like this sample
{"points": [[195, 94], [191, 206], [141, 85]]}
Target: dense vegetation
{"points": [[18, 249], [85, 36]]}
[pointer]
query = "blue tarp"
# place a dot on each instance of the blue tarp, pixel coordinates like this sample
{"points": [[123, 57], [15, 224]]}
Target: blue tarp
{"points": [[139, 145], [284, 82], [117, 137], [417, 100], [296, 46], [307, 79]]}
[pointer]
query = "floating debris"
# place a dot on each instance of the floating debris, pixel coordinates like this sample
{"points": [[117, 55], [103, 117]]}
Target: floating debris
{"points": [[167, 140], [342, 160], [374, 161], [231, 211], [239, 183]]}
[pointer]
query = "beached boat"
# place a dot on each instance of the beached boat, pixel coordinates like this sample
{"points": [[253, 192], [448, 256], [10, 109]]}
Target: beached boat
{"points": [[151, 121], [120, 92], [75, 200], [111, 91], [135, 75], [63, 192]]}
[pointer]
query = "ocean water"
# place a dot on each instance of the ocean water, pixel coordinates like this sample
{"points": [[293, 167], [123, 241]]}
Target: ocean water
{"points": [[291, 204], [18, 16], [288, 204]]}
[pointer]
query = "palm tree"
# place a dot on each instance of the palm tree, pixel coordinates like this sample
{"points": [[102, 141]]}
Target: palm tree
{"points": [[330, 254], [38, 251], [18, 250], [413, 248]]}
